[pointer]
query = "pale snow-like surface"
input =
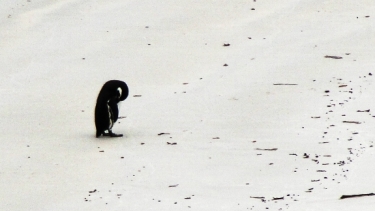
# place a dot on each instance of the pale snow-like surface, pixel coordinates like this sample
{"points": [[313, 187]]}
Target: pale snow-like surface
{"points": [[55, 56]]}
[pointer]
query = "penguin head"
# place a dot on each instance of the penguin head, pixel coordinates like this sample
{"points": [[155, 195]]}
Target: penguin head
{"points": [[122, 91], [114, 89]]}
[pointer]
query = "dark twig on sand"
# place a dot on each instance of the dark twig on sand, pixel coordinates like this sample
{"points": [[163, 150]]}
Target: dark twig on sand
{"points": [[258, 197], [354, 122], [271, 149], [356, 195], [333, 57], [281, 84]]}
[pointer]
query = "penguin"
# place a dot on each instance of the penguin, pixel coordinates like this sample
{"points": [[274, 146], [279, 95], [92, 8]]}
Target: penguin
{"points": [[106, 109]]}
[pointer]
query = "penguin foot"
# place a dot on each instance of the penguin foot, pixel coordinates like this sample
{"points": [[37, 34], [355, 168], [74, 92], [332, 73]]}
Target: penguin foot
{"points": [[115, 135], [111, 134]]}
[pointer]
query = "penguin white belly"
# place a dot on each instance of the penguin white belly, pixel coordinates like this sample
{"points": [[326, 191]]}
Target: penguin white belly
{"points": [[110, 114]]}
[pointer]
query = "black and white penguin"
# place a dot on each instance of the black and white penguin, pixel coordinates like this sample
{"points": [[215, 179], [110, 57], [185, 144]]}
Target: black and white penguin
{"points": [[106, 109]]}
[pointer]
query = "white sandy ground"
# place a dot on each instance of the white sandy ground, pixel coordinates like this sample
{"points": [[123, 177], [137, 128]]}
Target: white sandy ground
{"points": [[55, 56]]}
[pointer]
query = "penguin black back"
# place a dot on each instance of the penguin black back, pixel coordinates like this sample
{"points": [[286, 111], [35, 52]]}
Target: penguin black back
{"points": [[106, 109]]}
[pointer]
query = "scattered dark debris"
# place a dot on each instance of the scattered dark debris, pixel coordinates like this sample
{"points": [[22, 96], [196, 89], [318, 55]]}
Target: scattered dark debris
{"points": [[315, 180], [316, 161], [225, 65], [326, 91], [101, 151], [367, 16], [284, 84], [341, 163], [142, 143], [333, 57], [277, 198], [368, 110], [185, 83], [343, 85], [187, 198], [137, 95], [293, 154], [122, 157], [321, 171], [309, 190], [270, 149], [305, 155], [173, 186], [315, 117], [252, 8], [163, 134], [173, 143], [122, 117], [356, 195], [92, 191], [216, 138], [226, 44]]}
